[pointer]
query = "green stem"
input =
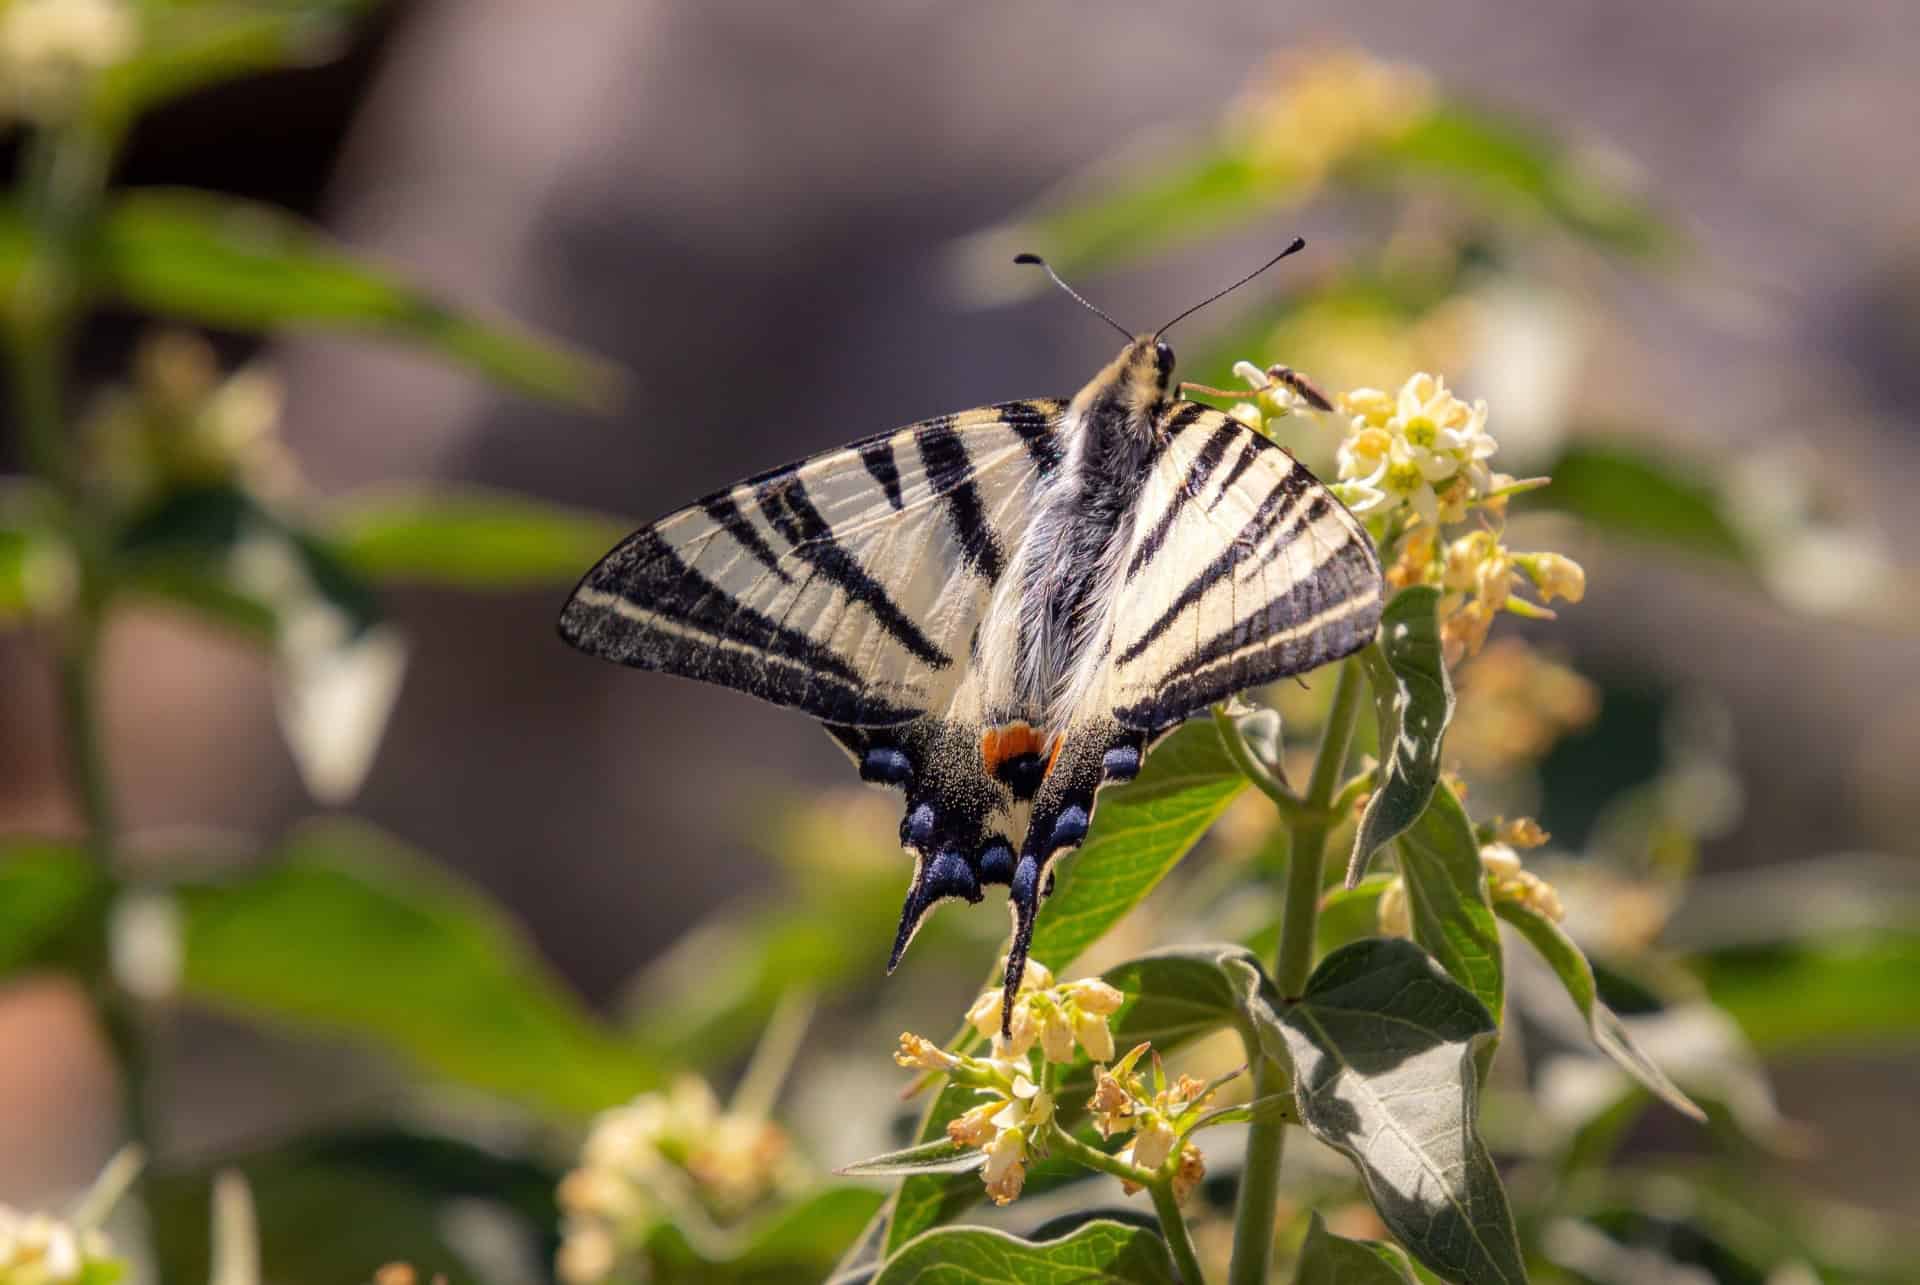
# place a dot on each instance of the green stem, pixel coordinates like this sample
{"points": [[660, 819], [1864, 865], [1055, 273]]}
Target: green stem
{"points": [[1259, 1183], [1302, 908], [1293, 809], [1266, 1140], [1094, 1158], [63, 180], [1174, 1227]]}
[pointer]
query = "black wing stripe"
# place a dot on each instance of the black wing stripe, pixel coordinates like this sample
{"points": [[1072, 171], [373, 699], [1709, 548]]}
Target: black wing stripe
{"points": [[1204, 463], [791, 511], [1034, 423], [1258, 527], [727, 516], [1241, 463], [878, 458], [950, 470], [648, 574]]}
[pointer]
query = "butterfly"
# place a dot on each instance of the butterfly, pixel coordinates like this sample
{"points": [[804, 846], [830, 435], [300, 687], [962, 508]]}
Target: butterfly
{"points": [[998, 612]]}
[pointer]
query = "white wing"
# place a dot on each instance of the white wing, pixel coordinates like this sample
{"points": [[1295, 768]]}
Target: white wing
{"points": [[1243, 569], [847, 585]]}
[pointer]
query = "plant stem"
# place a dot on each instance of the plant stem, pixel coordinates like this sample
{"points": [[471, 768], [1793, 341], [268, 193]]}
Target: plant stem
{"points": [[1302, 909], [1174, 1227], [1293, 810], [63, 182], [1266, 1140], [1259, 1183], [1094, 1158], [1160, 1182]]}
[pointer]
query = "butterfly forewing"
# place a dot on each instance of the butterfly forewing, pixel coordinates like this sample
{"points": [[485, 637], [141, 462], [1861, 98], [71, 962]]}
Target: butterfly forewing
{"points": [[848, 585], [1243, 569]]}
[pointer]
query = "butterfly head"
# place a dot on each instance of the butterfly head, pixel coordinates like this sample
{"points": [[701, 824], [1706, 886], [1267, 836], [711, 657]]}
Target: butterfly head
{"points": [[1135, 383]]}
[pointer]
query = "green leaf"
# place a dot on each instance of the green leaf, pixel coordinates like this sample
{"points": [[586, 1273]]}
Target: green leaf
{"points": [[472, 538], [926, 1200], [1413, 700], [44, 886], [235, 264], [1184, 992], [1384, 1047], [1327, 1259], [1514, 167], [1447, 900], [1854, 991], [1346, 916], [940, 1156], [347, 932], [1609, 1032], [1620, 487], [1185, 195], [188, 47], [1141, 830], [801, 1241], [1100, 1250]]}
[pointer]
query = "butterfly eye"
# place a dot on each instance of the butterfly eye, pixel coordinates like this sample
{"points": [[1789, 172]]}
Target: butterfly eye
{"points": [[1163, 358]]}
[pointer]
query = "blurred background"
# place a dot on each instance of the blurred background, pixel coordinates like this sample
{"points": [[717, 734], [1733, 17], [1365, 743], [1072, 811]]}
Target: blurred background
{"points": [[782, 227]]}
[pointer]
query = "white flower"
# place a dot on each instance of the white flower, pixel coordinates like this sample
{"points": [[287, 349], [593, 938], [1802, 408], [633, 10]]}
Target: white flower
{"points": [[49, 49], [1006, 1171]]}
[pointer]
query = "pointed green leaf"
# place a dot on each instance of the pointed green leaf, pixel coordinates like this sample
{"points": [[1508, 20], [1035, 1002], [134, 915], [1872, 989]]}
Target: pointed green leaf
{"points": [[1184, 992], [188, 47], [1100, 1250], [1141, 830], [1383, 1047], [1447, 898], [1327, 1259], [1609, 1032], [927, 1200], [1620, 487], [1413, 699], [235, 264], [469, 537], [1509, 165], [939, 1156], [347, 932]]}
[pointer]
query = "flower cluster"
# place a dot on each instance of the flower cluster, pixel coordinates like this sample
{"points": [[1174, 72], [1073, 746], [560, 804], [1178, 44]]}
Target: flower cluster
{"points": [[1055, 1017], [1514, 705], [182, 423], [1011, 1126], [1415, 462], [1158, 1115], [1423, 448], [1506, 879], [50, 51], [663, 1153], [1314, 113], [36, 1249]]}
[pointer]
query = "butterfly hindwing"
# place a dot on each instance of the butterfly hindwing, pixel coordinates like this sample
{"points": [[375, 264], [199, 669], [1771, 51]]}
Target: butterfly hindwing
{"points": [[1243, 569], [847, 585]]}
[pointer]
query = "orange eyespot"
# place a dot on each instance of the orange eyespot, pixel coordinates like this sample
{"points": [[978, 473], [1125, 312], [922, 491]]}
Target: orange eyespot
{"points": [[1018, 754]]}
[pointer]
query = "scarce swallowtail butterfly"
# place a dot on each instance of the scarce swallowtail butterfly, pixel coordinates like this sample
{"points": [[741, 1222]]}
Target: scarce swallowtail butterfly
{"points": [[999, 611]]}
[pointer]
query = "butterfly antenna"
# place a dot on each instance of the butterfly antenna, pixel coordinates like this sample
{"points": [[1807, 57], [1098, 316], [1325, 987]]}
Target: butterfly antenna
{"points": [[1076, 295], [1299, 244]]}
